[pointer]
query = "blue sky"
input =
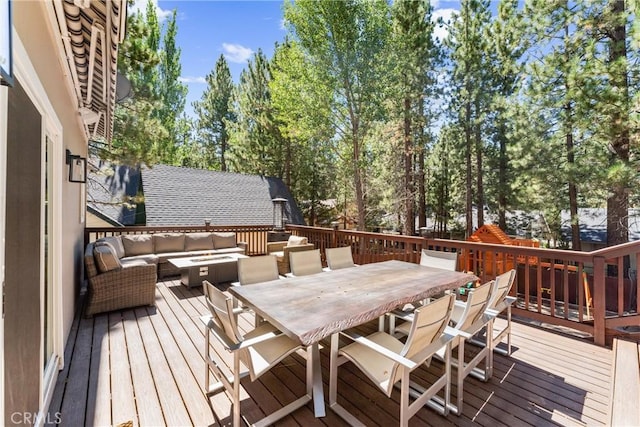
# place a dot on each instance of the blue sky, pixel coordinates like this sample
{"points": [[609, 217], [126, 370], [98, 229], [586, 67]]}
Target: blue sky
{"points": [[236, 29]]}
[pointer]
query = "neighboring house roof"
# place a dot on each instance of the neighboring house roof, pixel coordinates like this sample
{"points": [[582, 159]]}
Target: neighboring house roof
{"points": [[593, 224], [185, 196], [108, 187]]}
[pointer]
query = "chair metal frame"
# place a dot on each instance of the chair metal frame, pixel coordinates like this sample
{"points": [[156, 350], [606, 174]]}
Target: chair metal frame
{"points": [[222, 324], [468, 318], [400, 362]]}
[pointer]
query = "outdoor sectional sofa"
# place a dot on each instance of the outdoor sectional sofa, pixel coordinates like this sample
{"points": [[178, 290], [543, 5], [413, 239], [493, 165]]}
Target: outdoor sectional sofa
{"points": [[122, 271]]}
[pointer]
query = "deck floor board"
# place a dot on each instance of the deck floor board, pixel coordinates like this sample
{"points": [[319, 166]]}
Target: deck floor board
{"points": [[146, 365]]}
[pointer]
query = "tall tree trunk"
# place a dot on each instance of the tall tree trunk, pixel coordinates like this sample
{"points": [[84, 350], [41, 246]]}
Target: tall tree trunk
{"points": [[287, 163], [502, 177], [618, 201], [469, 179], [478, 146], [223, 151], [409, 217], [422, 185], [358, 181], [576, 243]]}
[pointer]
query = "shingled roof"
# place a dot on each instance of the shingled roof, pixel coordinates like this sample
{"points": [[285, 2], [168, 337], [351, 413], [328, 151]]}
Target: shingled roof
{"points": [[108, 186], [185, 196]]}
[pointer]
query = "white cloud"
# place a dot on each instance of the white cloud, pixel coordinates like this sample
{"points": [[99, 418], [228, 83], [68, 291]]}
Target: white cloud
{"points": [[441, 32], [192, 79], [236, 53], [140, 6]]}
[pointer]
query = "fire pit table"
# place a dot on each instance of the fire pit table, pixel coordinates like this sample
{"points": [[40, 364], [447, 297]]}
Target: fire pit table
{"points": [[214, 268]]}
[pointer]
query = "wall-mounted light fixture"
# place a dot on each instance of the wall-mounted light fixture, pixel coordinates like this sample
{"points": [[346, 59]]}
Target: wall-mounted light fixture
{"points": [[77, 168], [278, 213]]}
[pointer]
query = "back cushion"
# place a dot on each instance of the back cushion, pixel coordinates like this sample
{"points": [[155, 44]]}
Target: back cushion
{"points": [[105, 256], [224, 240], [198, 242], [168, 242], [116, 244], [297, 241], [137, 244]]}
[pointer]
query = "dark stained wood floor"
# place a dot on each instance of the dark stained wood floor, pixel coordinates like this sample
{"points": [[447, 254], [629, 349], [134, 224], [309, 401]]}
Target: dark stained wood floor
{"points": [[146, 365]]}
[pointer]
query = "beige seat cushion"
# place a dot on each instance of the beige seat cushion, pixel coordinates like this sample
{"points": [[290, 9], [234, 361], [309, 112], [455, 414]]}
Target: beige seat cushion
{"points": [[297, 241], [105, 256], [198, 242], [279, 255], [137, 244], [224, 240], [170, 242]]}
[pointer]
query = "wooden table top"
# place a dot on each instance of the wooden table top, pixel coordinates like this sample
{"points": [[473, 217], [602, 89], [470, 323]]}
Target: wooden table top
{"points": [[310, 308]]}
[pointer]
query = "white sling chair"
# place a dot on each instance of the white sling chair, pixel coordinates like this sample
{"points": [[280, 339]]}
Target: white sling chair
{"points": [[499, 302], [305, 262], [339, 258], [428, 258], [259, 350], [386, 361], [257, 269], [468, 318], [439, 259]]}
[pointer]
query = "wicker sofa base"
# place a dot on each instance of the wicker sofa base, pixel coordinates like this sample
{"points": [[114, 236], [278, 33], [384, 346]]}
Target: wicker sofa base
{"points": [[136, 287]]}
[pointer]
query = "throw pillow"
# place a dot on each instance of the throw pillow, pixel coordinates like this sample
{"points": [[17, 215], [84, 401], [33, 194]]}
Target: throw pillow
{"points": [[297, 241], [224, 240], [116, 244], [198, 242], [105, 256], [137, 244]]}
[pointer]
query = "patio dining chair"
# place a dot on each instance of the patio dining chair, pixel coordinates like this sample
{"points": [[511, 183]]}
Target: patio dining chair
{"points": [[258, 350], [304, 263], [467, 319], [499, 302], [428, 258], [386, 361], [257, 269], [439, 259], [338, 258]]}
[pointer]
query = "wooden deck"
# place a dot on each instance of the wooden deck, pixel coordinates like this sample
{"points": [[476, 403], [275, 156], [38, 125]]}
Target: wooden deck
{"points": [[146, 366]]}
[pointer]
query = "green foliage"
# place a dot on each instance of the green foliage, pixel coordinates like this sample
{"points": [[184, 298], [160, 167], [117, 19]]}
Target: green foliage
{"points": [[345, 41], [136, 128], [172, 92], [256, 143], [215, 113]]}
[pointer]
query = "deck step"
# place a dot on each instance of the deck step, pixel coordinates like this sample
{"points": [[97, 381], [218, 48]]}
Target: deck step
{"points": [[625, 390]]}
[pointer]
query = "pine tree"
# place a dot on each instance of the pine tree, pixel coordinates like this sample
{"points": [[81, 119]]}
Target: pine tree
{"points": [[414, 55], [215, 114], [172, 92], [256, 143], [472, 90]]}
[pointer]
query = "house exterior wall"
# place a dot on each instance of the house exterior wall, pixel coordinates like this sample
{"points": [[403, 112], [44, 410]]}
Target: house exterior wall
{"points": [[34, 27], [44, 95]]}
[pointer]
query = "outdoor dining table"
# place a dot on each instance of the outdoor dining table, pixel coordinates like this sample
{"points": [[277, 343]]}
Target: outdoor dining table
{"points": [[311, 308]]}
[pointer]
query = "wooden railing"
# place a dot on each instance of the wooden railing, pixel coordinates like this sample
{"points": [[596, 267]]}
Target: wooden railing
{"points": [[551, 285]]}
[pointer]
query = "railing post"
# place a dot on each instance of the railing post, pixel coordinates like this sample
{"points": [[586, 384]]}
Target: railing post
{"points": [[334, 235], [599, 300]]}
